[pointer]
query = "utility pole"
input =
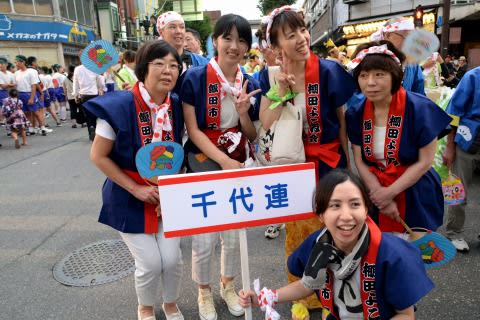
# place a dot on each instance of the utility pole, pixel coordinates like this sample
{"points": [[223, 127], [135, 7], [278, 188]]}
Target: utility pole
{"points": [[445, 28]]}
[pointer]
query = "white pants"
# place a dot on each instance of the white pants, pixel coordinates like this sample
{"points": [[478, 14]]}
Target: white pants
{"points": [[157, 260], [203, 250]]}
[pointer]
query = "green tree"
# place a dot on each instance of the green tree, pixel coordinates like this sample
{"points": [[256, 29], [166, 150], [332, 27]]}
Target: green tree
{"points": [[265, 6]]}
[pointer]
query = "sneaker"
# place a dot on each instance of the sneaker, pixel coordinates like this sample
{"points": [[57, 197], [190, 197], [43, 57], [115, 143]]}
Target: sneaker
{"points": [[273, 231], [74, 126], [173, 316], [461, 245], [206, 308], [48, 130], [229, 295], [44, 132], [59, 124]]}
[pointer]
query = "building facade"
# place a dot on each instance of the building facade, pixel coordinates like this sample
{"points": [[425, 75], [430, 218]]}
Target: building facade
{"points": [[351, 22], [52, 30]]}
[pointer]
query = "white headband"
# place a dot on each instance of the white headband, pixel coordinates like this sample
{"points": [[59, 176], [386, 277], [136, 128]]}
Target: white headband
{"points": [[268, 20], [403, 24], [383, 49], [167, 17]]}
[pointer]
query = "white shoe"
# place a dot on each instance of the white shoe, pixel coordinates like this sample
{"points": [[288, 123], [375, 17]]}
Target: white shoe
{"points": [[48, 130], [173, 316], [147, 318], [229, 295], [461, 245], [206, 307]]}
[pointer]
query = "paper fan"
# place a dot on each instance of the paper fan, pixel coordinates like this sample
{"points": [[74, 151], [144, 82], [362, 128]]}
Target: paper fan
{"points": [[98, 56], [159, 158], [419, 45], [435, 248]]}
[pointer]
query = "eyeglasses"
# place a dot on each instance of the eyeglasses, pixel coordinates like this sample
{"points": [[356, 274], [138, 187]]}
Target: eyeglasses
{"points": [[162, 65]]}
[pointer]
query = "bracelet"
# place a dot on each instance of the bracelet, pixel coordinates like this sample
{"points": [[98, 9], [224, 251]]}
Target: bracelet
{"points": [[272, 95]]}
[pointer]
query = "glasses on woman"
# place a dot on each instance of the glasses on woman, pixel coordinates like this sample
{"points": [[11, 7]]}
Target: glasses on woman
{"points": [[163, 66]]}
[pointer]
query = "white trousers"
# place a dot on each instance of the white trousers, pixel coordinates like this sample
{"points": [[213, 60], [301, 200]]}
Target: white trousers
{"points": [[157, 260], [203, 251]]}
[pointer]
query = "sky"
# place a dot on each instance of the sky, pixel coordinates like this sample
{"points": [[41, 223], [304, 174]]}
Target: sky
{"points": [[246, 8]]}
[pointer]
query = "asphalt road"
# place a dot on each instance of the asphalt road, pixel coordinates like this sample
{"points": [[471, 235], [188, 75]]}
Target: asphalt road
{"points": [[49, 204]]}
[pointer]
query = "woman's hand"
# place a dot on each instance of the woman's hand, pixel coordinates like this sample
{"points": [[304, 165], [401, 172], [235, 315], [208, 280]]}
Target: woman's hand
{"points": [[148, 194], [242, 102], [248, 298], [381, 197], [284, 78], [391, 210], [229, 164]]}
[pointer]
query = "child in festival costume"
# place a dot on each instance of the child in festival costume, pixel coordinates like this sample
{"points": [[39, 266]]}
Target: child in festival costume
{"points": [[394, 135], [16, 120], [320, 88], [356, 271], [218, 112]]}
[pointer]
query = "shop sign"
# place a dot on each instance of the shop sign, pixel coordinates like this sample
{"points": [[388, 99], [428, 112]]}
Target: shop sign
{"points": [[25, 30]]}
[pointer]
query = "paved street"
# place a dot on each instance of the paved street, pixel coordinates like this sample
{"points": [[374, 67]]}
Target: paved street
{"points": [[49, 203]]}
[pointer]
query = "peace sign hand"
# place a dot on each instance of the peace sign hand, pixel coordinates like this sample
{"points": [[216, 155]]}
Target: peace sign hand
{"points": [[284, 78], [242, 102]]}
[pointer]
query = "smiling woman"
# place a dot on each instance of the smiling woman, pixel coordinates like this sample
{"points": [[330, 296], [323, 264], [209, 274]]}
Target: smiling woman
{"points": [[127, 120], [218, 114]]}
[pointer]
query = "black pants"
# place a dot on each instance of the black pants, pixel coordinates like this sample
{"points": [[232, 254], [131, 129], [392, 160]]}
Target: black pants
{"points": [[91, 119], [76, 111]]}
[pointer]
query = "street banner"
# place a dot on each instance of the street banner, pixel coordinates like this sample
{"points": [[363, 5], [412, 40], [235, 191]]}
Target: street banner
{"points": [[234, 199]]}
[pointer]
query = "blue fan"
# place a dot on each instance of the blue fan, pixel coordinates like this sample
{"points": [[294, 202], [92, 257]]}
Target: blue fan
{"points": [[98, 56], [159, 158], [435, 248]]}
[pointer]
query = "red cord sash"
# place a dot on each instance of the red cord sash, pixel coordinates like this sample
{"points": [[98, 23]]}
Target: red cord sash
{"points": [[388, 174], [367, 278]]}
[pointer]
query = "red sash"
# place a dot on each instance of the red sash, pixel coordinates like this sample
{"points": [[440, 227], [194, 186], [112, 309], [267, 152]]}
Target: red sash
{"points": [[144, 120], [327, 153], [214, 100], [394, 169], [149, 213], [314, 151], [367, 278], [312, 100]]}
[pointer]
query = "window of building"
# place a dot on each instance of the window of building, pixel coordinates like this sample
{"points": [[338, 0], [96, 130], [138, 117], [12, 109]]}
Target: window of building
{"points": [[79, 4], [5, 6], [115, 20], [44, 7], [24, 6]]}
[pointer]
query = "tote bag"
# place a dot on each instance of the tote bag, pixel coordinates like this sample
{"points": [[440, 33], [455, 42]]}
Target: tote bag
{"points": [[282, 143]]}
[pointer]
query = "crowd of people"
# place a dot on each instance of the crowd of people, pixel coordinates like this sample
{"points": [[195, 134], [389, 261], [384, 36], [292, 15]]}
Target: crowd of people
{"points": [[167, 91]]}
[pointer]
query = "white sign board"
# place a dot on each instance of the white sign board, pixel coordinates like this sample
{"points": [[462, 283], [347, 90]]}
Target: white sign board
{"points": [[233, 199]]}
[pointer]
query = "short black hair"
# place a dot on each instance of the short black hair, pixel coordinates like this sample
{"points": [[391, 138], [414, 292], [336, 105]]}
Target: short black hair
{"points": [[327, 185], [128, 56], [150, 51], [13, 93], [195, 33], [31, 60], [224, 26], [381, 62]]}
